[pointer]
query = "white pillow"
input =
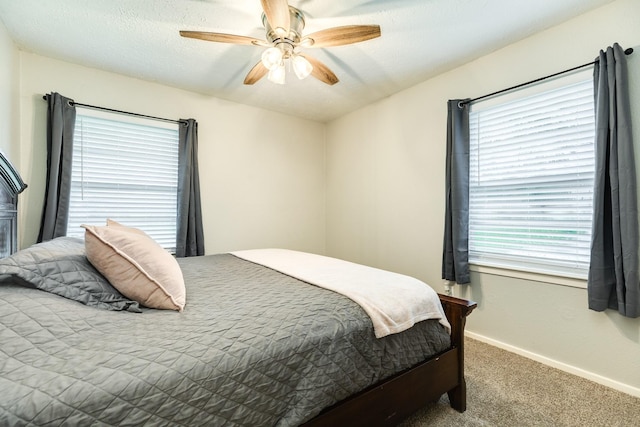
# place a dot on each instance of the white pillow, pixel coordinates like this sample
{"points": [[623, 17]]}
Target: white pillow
{"points": [[136, 265]]}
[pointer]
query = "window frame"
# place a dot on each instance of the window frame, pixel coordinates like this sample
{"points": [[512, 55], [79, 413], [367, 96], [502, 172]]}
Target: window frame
{"points": [[526, 272], [127, 120]]}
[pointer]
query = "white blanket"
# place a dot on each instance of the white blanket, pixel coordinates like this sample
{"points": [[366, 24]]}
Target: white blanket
{"points": [[394, 302]]}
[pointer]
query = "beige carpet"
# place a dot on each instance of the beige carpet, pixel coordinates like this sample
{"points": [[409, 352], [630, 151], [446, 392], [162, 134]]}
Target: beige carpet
{"points": [[505, 389]]}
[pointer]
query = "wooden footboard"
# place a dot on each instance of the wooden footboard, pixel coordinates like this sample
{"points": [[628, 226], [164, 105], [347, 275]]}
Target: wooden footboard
{"points": [[390, 401], [457, 310]]}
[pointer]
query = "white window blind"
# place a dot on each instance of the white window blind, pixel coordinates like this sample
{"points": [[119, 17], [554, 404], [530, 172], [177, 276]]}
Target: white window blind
{"points": [[125, 169], [531, 182]]}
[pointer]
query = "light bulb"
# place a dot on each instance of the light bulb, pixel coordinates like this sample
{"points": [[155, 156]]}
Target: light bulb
{"points": [[302, 66], [277, 75], [272, 58]]}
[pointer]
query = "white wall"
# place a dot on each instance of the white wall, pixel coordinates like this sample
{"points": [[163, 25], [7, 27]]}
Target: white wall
{"points": [[385, 199], [262, 174], [8, 94]]}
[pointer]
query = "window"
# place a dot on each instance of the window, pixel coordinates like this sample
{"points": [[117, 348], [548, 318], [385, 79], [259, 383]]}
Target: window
{"points": [[125, 169], [531, 182]]}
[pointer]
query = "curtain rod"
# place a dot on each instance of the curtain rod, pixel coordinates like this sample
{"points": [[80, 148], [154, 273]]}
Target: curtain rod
{"points": [[628, 51], [95, 107]]}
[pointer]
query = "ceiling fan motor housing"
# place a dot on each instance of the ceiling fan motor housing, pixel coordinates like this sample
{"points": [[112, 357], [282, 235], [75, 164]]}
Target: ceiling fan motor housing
{"points": [[286, 42]]}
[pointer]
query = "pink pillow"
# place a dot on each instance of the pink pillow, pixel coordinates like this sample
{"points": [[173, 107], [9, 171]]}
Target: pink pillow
{"points": [[112, 223], [136, 265]]}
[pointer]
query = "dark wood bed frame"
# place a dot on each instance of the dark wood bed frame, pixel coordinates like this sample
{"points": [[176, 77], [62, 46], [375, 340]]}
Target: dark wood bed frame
{"points": [[392, 400], [11, 185]]}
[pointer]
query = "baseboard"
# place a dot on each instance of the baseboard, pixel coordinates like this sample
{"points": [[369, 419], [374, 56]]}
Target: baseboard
{"points": [[616, 385]]}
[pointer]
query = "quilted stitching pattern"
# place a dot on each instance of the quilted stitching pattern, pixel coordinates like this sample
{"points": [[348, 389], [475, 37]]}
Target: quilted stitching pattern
{"points": [[253, 347], [60, 266]]}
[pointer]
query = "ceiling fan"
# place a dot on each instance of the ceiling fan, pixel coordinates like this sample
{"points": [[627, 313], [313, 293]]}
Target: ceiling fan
{"points": [[284, 41]]}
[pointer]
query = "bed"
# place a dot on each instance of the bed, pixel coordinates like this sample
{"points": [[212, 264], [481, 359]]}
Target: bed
{"points": [[251, 346]]}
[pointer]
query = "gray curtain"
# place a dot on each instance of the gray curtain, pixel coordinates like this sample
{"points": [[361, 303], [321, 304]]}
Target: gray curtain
{"points": [[613, 272], [455, 252], [61, 119], [190, 236]]}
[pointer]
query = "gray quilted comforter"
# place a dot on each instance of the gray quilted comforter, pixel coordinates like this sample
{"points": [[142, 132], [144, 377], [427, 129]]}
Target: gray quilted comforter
{"points": [[253, 347]]}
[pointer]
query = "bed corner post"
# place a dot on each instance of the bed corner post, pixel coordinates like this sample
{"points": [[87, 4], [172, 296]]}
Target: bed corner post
{"points": [[457, 310]]}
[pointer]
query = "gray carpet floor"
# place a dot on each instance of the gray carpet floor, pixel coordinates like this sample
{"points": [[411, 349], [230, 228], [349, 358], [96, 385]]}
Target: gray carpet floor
{"points": [[505, 389]]}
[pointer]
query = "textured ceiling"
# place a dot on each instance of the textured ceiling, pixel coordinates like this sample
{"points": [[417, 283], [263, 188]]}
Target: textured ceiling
{"points": [[420, 38]]}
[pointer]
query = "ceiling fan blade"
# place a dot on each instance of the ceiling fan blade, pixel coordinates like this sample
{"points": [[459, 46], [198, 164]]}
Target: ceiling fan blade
{"points": [[321, 71], [221, 37], [257, 72], [277, 13], [339, 36]]}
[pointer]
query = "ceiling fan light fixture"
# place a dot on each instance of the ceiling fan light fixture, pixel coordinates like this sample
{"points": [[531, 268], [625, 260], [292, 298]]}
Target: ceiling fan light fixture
{"points": [[301, 66], [272, 58], [284, 25], [277, 75]]}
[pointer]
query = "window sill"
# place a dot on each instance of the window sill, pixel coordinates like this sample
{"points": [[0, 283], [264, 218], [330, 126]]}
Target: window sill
{"points": [[532, 276]]}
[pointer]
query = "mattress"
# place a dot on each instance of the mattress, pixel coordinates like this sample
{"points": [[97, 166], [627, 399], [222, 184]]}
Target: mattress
{"points": [[252, 347]]}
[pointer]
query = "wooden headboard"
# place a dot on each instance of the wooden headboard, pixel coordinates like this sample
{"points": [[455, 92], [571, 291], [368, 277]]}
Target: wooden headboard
{"points": [[11, 185]]}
